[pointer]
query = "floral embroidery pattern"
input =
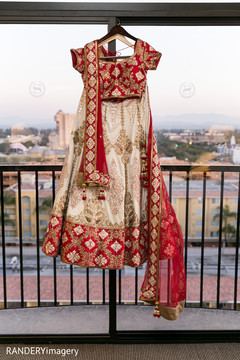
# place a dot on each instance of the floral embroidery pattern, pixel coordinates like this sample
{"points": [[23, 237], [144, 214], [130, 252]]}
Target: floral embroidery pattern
{"points": [[115, 194]]}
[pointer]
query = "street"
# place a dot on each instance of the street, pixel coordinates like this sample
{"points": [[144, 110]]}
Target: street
{"points": [[46, 263]]}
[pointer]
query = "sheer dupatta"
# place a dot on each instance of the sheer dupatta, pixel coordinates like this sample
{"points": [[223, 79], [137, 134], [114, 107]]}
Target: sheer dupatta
{"points": [[164, 283]]}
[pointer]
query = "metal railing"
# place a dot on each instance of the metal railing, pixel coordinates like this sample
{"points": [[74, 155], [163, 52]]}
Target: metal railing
{"points": [[185, 171]]}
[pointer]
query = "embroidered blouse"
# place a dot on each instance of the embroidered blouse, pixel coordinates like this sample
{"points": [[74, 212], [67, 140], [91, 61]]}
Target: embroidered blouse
{"points": [[121, 79]]}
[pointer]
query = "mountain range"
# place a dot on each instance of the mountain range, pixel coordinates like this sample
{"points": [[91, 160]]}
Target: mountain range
{"points": [[194, 121], [183, 121]]}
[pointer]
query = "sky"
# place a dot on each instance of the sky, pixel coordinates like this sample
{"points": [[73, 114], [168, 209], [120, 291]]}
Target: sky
{"points": [[197, 74]]}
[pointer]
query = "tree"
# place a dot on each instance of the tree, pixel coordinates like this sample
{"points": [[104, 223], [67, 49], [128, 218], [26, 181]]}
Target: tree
{"points": [[28, 144], [8, 199], [230, 231], [46, 204], [44, 136], [7, 220], [5, 148], [227, 228]]}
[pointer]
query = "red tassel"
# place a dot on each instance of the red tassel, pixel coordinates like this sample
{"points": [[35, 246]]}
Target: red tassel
{"points": [[84, 197], [144, 174], [101, 196]]}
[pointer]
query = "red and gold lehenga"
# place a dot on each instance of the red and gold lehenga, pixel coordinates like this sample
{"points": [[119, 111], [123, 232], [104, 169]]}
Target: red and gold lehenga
{"points": [[111, 207]]}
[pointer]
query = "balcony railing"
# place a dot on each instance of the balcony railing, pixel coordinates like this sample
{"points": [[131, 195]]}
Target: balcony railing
{"points": [[32, 279]]}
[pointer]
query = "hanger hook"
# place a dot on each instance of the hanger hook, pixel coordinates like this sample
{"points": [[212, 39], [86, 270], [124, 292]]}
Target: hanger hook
{"points": [[118, 22]]}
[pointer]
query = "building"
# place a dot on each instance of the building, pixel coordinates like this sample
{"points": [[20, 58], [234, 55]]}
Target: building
{"points": [[212, 205], [236, 155], [29, 216], [64, 127]]}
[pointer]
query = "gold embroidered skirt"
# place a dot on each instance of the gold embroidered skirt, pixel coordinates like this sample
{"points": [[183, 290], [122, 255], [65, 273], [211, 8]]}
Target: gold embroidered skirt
{"points": [[113, 232]]}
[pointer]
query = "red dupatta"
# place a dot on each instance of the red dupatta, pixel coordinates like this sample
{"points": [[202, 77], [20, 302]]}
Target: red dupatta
{"points": [[93, 170], [164, 283]]}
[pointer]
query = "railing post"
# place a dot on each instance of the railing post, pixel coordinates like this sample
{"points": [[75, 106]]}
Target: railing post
{"points": [[37, 239], [112, 304], [220, 240], [202, 237], [186, 224], [112, 273], [54, 259], [3, 243], [20, 237], [237, 247]]}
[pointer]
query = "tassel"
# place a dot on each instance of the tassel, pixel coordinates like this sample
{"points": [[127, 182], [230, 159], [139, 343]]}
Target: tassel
{"points": [[101, 195], [84, 197], [144, 175], [156, 310]]}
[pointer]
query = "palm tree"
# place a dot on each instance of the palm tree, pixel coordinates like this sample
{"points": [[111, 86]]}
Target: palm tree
{"points": [[230, 230], [8, 199], [227, 228], [7, 220], [46, 204]]}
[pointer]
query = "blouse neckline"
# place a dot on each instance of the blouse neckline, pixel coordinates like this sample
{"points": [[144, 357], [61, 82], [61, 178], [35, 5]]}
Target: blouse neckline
{"points": [[124, 60]]}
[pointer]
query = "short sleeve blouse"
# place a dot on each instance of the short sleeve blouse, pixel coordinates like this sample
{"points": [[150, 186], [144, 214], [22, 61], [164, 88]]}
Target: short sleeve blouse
{"points": [[125, 78]]}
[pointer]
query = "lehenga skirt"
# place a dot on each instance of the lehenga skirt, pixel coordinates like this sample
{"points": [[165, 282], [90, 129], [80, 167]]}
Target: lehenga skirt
{"points": [[134, 223]]}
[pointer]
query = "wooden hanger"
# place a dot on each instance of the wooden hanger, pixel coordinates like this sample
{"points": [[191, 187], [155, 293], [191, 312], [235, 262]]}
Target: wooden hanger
{"points": [[119, 33], [115, 37]]}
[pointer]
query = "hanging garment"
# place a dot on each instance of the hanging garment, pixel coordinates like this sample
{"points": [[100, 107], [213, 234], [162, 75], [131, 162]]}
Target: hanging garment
{"points": [[111, 207]]}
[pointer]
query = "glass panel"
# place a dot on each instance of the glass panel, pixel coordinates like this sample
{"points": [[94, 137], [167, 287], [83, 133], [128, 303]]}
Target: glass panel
{"points": [[192, 114], [46, 82]]}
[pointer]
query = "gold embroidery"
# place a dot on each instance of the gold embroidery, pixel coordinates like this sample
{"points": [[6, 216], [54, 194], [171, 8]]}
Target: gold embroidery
{"points": [[136, 259], [91, 69], [135, 180], [91, 56], [140, 135], [49, 247], [107, 143], [116, 246], [116, 92], [94, 212], [169, 250], [92, 93], [91, 107], [92, 81], [78, 139], [115, 194], [115, 73], [139, 75], [90, 244], [73, 256], [76, 192], [64, 173], [131, 218], [103, 234], [123, 145], [59, 205], [101, 260], [78, 230]]}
